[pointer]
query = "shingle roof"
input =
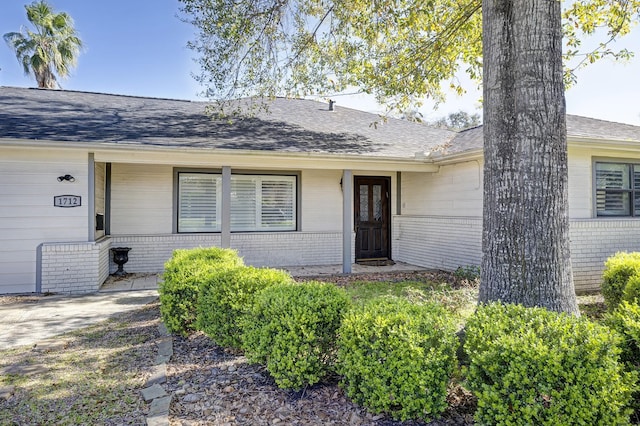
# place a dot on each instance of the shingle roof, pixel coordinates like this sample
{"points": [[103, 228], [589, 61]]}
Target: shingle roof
{"points": [[291, 125], [577, 127]]}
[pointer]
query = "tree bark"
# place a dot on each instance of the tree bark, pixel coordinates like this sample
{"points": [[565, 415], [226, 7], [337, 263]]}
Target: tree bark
{"points": [[526, 257]]}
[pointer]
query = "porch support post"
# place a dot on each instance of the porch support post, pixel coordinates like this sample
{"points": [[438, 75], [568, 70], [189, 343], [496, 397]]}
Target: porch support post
{"points": [[225, 224], [347, 195], [91, 202]]}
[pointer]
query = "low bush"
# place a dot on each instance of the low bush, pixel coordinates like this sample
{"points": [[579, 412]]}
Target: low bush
{"points": [[183, 276], [292, 329], [532, 366], [618, 269], [626, 321], [631, 291], [227, 296], [470, 273], [397, 357]]}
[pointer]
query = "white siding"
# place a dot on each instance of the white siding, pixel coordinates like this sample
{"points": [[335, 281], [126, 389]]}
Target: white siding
{"points": [[28, 183], [580, 184], [321, 200], [581, 177], [141, 199], [455, 190]]}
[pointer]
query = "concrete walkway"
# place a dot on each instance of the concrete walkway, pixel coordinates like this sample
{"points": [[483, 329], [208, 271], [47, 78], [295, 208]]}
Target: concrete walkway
{"points": [[34, 319], [39, 318]]}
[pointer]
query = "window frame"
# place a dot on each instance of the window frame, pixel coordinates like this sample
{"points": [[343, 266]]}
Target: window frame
{"points": [[297, 190], [633, 192]]}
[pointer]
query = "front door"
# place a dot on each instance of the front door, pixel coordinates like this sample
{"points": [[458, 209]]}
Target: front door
{"points": [[372, 217]]}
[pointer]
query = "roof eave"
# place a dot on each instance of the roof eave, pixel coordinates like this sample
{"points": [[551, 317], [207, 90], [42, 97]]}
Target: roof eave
{"points": [[398, 163]]}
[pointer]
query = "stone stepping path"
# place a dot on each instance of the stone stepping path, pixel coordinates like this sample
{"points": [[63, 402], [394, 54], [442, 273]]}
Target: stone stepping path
{"points": [[154, 391]]}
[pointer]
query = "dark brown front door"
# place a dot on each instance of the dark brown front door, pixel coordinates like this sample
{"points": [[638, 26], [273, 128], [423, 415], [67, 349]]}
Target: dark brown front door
{"points": [[372, 217]]}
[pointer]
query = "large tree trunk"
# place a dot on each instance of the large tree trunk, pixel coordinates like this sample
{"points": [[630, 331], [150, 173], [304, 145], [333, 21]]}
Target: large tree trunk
{"points": [[525, 248]]}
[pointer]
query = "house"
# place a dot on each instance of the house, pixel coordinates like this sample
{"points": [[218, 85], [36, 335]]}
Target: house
{"points": [[81, 173]]}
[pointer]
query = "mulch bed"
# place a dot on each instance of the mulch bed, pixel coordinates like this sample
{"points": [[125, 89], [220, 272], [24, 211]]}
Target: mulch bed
{"points": [[212, 385]]}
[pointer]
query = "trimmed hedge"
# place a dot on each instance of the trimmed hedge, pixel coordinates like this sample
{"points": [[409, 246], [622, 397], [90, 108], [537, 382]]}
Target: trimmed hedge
{"points": [[626, 321], [227, 296], [619, 269], [397, 357], [631, 291], [183, 276], [292, 329], [532, 366]]}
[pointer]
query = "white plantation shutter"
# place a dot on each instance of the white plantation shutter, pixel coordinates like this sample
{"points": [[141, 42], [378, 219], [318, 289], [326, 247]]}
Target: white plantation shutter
{"points": [[243, 203], [263, 203], [258, 202], [613, 189], [278, 203], [199, 202]]}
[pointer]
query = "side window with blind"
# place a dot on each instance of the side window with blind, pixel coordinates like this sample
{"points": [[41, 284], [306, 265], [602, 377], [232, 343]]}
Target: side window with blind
{"points": [[617, 189], [258, 202], [199, 202], [263, 203]]}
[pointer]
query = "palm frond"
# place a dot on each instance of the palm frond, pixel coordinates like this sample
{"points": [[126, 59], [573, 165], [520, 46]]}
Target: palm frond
{"points": [[54, 45]]}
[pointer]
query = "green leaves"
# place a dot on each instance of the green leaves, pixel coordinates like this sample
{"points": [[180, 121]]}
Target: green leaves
{"points": [[184, 275], [292, 329], [226, 297], [400, 51], [53, 47], [619, 270], [397, 357], [533, 366]]}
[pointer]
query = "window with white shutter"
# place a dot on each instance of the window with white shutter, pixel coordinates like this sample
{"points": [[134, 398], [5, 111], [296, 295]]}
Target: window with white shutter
{"points": [[258, 202], [199, 202], [263, 203], [617, 189]]}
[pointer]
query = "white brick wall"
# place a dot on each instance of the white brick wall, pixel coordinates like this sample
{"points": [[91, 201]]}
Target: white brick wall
{"points": [[437, 242], [289, 248], [593, 241], [446, 243], [73, 267], [150, 252]]}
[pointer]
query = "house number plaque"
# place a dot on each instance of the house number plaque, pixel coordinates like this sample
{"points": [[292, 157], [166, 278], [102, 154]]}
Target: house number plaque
{"points": [[67, 201]]}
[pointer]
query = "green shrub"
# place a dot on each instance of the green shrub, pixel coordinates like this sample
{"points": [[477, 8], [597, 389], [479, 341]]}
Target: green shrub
{"points": [[227, 296], [397, 357], [183, 276], [631, 291], [532, 366], [292, 329], [618, 269], [626, 321], [469, 272]]}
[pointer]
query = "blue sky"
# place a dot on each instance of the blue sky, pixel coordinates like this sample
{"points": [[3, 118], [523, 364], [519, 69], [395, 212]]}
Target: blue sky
{"points": [[138, 47]]}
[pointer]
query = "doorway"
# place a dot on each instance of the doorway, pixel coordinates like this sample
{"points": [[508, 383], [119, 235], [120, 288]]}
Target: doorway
{"points": [[372, 213]]}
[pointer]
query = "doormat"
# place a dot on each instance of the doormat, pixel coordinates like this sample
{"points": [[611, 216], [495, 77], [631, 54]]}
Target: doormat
{"points": [[376, 262]]}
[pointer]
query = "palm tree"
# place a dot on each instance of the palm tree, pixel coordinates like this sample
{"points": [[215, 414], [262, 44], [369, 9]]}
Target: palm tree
{"points": [[53, 47]]}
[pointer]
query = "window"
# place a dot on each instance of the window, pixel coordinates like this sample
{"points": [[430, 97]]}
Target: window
{"points": [[199, 202], [258, 202], [617, 189], [263, 203]]}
